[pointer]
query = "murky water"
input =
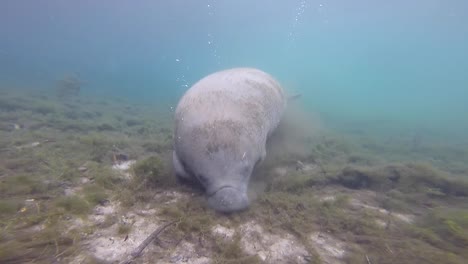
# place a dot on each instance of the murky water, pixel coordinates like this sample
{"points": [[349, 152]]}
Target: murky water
{"points": [[86, 86]]}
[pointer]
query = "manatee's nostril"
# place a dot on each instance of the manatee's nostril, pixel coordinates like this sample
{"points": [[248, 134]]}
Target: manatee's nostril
{"points": [[228, 199]]}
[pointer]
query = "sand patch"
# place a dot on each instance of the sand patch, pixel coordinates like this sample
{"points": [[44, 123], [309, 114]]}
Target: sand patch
{"points": [[330, 249], [271, 248], [124, 167]]}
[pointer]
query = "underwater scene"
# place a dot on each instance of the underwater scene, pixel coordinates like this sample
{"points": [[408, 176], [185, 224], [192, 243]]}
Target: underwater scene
{"points": [[217, 131]]}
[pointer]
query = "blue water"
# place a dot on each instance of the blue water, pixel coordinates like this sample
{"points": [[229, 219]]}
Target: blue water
{"points": [[354, 60]]}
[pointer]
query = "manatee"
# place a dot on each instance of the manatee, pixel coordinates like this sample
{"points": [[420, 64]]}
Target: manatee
{"points": [[222, 124]]}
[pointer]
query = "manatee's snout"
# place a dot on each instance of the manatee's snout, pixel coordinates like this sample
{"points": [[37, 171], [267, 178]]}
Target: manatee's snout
{"points": [[228, 199]]}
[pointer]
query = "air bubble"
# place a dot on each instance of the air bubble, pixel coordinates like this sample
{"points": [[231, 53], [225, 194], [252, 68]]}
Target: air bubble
{"points": [[211, 41], [297, 20]]}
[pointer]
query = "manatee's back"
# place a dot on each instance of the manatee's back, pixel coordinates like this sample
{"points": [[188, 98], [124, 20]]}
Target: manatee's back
{"points": [[230, 112]]}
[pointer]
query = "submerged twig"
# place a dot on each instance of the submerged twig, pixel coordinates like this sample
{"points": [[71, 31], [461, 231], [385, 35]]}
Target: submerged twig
{"points": [[368, 260], [137, 252], [388, 248]]}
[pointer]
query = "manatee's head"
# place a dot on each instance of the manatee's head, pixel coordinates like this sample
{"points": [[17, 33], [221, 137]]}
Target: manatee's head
{"points": [[228, 199]]}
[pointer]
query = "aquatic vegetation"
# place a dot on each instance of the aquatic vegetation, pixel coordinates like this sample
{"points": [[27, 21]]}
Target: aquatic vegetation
{"points": [[230, 251], [192, 218], [25, 164], [21, 185], [35, 233], [9, 104], [200, 223], [296, 182], [451, 225], [409, 178], [134, 122], [156, 146], [104, 176], [173, 212], [70, 173], [124, 229], [43, 246], [109, 221], [74, 204], [63, 123], [69, 86], [8, 207], [99, 146], [393, 200], [128, 197], [154, 171], [95, 194], [105, 127], [290, 212], [44, 108]]}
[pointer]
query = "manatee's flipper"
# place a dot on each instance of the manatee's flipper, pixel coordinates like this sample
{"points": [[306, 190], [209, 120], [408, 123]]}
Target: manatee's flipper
{"points": [[184, 176], [294, 97], [179, 169]]}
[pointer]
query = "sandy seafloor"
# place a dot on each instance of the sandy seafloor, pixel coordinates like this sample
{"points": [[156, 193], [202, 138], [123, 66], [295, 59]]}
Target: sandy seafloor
{"points": [[86, 180]]}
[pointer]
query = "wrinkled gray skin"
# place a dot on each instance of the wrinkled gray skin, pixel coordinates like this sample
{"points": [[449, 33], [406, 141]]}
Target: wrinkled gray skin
{"points": [[222, 124]]}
